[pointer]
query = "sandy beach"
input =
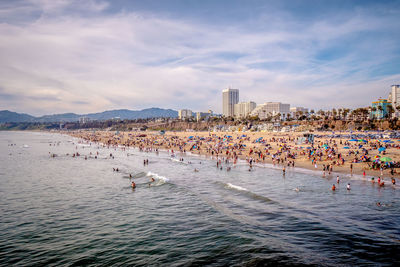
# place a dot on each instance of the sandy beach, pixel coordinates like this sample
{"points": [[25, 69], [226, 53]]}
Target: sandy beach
{"points": [[327, 154]]}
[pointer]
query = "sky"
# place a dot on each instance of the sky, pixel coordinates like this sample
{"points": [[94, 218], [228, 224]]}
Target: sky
{"points": [[88, 56]]}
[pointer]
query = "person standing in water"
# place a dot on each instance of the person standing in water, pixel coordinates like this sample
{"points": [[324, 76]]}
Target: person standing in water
{"points": [[348, 186], [133, 185]]}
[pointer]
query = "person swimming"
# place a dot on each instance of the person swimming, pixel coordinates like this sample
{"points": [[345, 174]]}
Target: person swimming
{"points": [[133, 185], [337, 179], [333, 187], [348, 186]]}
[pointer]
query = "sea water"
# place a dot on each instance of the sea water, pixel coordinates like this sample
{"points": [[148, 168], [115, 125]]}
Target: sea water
{"points": [[66, 210]]}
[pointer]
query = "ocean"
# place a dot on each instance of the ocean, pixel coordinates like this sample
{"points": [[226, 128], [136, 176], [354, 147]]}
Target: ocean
{"points": [[73, 211]]}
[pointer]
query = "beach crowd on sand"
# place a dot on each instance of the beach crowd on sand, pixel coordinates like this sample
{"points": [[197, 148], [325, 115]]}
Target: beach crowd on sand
{"points": [[375, 159]]}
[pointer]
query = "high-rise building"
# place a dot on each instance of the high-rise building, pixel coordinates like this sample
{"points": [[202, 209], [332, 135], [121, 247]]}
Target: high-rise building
{"points": [[243, 109], [230, 97], [394, 96], [271, 109], [184, 114]]}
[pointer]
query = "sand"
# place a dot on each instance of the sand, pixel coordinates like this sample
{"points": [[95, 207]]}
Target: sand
{"points": [[213, 143]]}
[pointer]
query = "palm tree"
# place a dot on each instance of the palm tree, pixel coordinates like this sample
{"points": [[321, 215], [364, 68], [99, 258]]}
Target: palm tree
{"points": [[390, 110]]}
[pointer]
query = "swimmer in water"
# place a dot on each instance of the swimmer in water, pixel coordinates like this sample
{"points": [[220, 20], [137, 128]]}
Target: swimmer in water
{"points": [[283, 171], [196, 170], [130, 175], [337, 179], [348, 186], [372, 180], [133, 185], [333, 187], [393, 181]]}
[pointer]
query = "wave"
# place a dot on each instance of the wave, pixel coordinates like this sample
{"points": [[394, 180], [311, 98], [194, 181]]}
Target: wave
{"points": [[229, 185], [159, 180], [246, 192]]}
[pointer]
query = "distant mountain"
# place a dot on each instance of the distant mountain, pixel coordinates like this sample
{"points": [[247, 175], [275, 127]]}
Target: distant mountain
{"points": [[123, 114], [9, 116], [59, 117]]}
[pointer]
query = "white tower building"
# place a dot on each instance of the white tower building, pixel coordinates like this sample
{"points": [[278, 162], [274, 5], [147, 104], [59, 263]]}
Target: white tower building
{"points": [[230, 97]]}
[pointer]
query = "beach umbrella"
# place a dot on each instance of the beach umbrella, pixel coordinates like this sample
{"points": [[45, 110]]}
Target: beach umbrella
{"points": [[353, 140], [390, 142], [346, 147], [377, 157], [385, 159], [362, 140], [386, 141], [381, 149]]}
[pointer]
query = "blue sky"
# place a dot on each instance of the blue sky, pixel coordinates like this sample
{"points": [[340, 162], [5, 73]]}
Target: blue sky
{"points": [[87, 56]]}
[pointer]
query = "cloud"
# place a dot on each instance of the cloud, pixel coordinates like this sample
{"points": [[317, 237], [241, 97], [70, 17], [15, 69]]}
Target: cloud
{"points": [[69, 56]]}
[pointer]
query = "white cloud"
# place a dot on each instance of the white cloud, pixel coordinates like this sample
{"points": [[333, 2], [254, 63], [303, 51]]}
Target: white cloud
{"points": [[65, 60]]}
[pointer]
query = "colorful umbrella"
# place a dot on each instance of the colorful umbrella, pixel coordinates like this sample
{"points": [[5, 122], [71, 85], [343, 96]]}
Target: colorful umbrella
{"points": [[377, 157], [381, 149], [385, 159], [353, 140], [346, 147]]}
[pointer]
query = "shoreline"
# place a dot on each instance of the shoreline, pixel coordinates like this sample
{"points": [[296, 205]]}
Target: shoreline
{"points": [[206, 143]]}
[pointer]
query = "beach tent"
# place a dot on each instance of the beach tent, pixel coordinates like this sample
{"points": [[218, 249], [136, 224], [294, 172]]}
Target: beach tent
{"points": [[385, 159]]}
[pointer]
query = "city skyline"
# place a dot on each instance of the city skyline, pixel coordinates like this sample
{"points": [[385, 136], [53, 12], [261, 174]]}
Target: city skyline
{"points": [[69, 56]]}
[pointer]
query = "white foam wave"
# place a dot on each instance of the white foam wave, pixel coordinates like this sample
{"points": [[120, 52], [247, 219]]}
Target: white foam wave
{"points": [[157, 177], [236, 187]]}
